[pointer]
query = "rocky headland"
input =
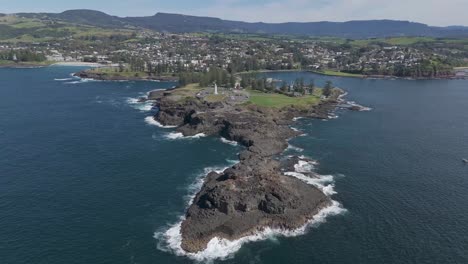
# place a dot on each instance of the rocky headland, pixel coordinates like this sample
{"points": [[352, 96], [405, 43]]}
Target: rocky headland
{"points": [[253, 194], [105, 76]]}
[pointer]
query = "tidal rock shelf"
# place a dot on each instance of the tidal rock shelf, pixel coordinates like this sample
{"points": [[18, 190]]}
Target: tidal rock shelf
{"points": [[254, 194]]}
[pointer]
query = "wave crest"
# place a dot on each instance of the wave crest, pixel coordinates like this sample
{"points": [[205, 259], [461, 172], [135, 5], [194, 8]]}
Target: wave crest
{"points": [[218, 248], [174, 136], [232, 143], [151, 121]]}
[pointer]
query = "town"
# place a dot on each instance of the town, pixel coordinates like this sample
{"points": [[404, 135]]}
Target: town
{"points": [[155, 53]]}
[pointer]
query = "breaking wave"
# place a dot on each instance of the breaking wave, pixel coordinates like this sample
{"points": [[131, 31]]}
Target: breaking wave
{"points": [[362, 108], [63, 79], [304, 171], [151, 121], [170, 240], [82, 80], [232, 143], [174, 136], [142, 106], [294, 148], [298, 130], [295, 129]]}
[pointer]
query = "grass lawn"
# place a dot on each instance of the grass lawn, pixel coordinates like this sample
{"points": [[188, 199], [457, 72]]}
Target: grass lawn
{"points": [[280, 100], [340, 74], [28, 24], [189, 90]]}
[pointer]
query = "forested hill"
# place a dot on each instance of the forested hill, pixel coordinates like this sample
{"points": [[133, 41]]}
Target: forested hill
{"points": [[182, 23]]}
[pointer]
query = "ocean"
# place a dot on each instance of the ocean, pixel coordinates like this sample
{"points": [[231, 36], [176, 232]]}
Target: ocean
{"points": [[87, 177]]}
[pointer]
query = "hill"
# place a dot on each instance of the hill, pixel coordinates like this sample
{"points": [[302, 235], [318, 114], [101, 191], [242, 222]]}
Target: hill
{"points": [[186, 24], [81, 17]]}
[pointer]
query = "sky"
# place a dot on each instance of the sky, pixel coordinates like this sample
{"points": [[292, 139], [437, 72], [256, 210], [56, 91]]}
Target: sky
{"points": [[432, 12]]}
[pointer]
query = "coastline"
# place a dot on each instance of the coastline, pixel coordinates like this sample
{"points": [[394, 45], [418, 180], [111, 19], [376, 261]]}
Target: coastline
{"points": [[388, 77], [242, 212], [87, 74], [28, 65], [359, 76]]}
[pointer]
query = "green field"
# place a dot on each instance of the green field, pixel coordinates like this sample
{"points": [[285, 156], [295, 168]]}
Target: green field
{"points": [[407, 41], [15, 29], [279, 100], [339, 74]]}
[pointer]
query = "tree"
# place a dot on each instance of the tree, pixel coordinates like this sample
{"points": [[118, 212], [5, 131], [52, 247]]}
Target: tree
{"points": [[327, 90], [284, 87], [232, 80], [311, 87], [254, 85]]}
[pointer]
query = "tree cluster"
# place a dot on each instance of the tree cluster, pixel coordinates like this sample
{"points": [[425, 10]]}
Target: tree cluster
{"points": [[22, 56]]}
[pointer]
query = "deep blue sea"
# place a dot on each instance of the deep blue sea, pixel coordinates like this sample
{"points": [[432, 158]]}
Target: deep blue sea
{"points": [[84, 179]]}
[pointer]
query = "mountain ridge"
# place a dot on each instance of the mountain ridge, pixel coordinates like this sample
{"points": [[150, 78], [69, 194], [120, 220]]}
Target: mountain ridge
{"points": [[179, 23]]}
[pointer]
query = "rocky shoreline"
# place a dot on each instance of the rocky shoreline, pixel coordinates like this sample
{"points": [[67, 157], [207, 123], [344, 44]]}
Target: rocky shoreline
{"points": [[393, 77], [254, 194], [106, 77]]}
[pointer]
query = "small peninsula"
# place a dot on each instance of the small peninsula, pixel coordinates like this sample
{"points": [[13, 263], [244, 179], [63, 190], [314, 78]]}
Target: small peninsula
{"points": [[253, 194], [115, 74]]}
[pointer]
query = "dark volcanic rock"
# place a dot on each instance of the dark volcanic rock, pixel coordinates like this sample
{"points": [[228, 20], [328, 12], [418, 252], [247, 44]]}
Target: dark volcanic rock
{"points": [[107, 77], [245, 199], [253, 194]]}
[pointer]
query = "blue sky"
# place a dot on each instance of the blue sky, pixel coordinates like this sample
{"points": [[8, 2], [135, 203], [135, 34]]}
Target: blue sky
{"points": [[433, 12]]}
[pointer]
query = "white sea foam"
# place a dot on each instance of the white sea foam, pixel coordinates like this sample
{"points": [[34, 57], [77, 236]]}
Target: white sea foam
{"points": [[298, 130], [342, 95], [74, 82], [151, 121], [170, 239], [362, 108], [174, 136], [294, 148], [82, 80], [63, 79], [305, 166], [297, 118], [232, 143], [217, 248], [323, 182], [142, 106]]}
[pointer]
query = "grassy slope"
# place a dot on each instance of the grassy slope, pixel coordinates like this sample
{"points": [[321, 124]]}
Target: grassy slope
{"points": [[339, 74], [34, 30], [256, 97], [280, 100]]}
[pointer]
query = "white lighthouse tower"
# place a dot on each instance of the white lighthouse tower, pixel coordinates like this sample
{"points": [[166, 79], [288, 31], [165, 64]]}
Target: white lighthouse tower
{"points": [[216, 89]]}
